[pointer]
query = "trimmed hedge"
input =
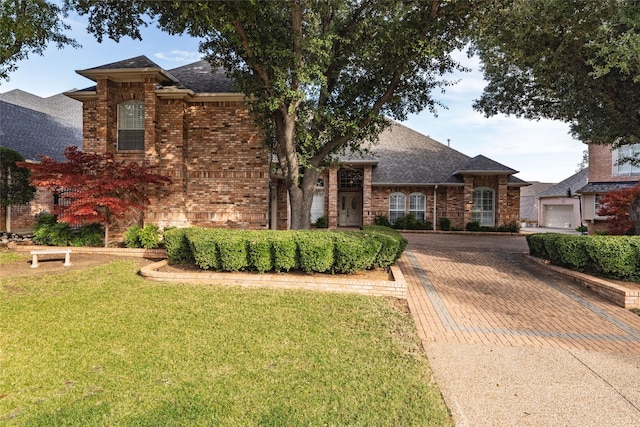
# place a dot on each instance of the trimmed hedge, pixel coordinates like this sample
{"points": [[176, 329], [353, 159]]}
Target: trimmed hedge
{"points": [[269, 250], [615, 257]]}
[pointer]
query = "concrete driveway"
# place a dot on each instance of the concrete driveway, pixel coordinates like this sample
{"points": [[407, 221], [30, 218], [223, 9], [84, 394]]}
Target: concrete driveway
{"points": [[512, 343]]}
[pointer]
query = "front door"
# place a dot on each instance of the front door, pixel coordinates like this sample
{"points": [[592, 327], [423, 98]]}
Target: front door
{"points": [[350, 213]]}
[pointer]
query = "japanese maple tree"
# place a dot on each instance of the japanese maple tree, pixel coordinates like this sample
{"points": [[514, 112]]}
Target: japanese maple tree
{"points": [[97, 187], [617, 206]]}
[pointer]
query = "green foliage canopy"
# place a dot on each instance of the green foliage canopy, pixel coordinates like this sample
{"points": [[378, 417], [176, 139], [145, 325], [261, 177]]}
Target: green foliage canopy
{"points": [[28, 26], [576, 61], [15, 188]]}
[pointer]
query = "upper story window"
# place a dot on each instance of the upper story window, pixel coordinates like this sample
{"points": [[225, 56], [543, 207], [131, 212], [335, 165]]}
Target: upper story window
{"points": [[417, 206], [625, 168], [131, 126]]}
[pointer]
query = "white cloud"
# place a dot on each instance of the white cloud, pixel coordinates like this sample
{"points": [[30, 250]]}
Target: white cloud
{"points": [[178, 56]]}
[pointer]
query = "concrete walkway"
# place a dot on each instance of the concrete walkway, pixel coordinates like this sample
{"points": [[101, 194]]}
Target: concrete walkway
{"points": [[512, 343]]}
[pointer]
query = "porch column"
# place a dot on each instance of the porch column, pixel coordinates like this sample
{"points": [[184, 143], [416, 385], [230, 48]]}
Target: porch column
{"points": [[332, 190], [502, 203], [468, 199], [367, 215]]}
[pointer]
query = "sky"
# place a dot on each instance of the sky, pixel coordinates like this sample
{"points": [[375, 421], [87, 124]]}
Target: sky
{"points": [[540, 150]]}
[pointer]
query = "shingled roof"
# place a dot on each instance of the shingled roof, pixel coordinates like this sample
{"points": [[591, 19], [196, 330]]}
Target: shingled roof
{"points": [[403, 156], [574, 183], [34, 126], [198, 76]]}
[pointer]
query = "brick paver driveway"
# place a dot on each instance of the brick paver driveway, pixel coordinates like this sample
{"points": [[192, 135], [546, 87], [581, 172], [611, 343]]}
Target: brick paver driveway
{"points": [[512, 342]]}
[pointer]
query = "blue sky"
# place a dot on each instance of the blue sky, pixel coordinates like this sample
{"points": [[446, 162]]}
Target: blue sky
{"points": [[540, 150]]}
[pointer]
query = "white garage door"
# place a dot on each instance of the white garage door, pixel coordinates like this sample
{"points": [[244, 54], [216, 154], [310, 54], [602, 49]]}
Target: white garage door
{"points": [[558, 216]]}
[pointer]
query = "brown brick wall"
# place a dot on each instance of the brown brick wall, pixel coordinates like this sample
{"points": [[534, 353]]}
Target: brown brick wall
{"points": [[211, 150], [23, 216], [600, 163]]}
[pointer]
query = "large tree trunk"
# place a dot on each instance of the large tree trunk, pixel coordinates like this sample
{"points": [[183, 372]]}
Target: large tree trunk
{"points": [[301, 199], [300, 186], [634, 214]]}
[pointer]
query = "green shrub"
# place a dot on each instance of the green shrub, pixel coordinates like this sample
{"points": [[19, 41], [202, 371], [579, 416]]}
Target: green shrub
{"points": [[90, 235], [203, 243], [472, 226], [444, 224], [536, 245], [382, 220], [284, 250], [399, 245], [354, 251], [177, 245], [232, 248], [511, 227], [322, 222], [409, 222], [573, 253], [132, 237], [48, 231], [260, 254], [315, 251], [149, 236], [613, 256], [552, 248]]}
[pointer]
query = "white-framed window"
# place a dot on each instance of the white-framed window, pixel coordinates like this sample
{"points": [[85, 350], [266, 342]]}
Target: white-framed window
{"points": [[417, 205], [397, 206], [131, 126], [596, 204], [483, 208], [317, 206], [625, 168]]}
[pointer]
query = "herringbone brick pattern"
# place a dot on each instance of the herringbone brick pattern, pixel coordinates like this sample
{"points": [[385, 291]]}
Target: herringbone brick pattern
{"points": [[483, 290]]}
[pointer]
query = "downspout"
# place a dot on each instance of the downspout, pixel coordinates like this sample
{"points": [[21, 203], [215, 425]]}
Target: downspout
{"points": [[435, 190]]}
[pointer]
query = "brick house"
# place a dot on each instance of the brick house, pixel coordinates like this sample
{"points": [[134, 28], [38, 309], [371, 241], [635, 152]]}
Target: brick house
{"points": [[605, 175], [35, 126], [190, 123]]}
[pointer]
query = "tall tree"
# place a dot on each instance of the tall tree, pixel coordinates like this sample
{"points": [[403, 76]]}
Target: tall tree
{"points": [[96, 187], [28, 26], [319, 75], [15, 188], [576, 61]]}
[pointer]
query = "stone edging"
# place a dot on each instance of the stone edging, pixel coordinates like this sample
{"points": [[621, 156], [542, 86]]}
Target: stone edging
{"points": [[618, 294], [392, 288]]}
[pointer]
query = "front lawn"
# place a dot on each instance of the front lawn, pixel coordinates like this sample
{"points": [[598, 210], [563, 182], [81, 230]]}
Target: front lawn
{"points": [[105, 347]]}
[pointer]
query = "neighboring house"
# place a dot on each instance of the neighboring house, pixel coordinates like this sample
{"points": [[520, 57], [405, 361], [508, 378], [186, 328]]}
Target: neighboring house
{"points": [[35, 126], [559, 206], [529, 202], [606, 174], [192, 125]]}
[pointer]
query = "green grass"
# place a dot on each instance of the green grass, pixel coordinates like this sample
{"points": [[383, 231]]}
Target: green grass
{"points": [[105, 347], [7, 257]]}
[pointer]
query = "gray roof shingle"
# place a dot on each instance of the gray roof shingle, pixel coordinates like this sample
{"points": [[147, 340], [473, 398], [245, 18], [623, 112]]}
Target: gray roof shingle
{"points": [[605, 187], [199, 78], [137, 62], [575, 182], [33, 133]]}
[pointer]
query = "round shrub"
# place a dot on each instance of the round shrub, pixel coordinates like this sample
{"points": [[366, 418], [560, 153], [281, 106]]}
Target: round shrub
{"points": [[354, 251], [315, 250]]}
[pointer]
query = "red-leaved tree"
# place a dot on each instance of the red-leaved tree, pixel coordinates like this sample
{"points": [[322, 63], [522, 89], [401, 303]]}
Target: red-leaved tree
{"points": [[95, 187], [616, 205]]}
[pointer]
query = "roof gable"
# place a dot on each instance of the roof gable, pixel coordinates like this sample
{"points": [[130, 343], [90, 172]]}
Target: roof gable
{"points": [[483, 165]]}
